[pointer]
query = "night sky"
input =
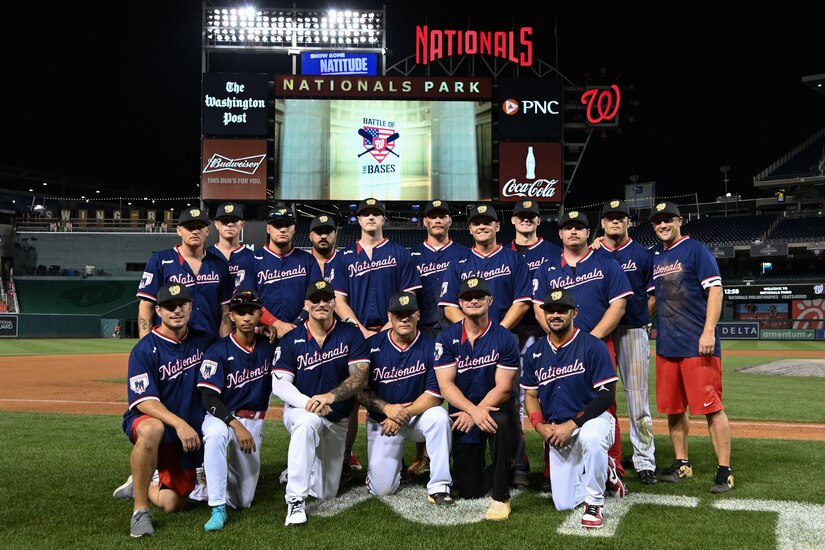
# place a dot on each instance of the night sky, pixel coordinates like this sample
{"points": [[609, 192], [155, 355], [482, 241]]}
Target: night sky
{"points": [[112, 95]]}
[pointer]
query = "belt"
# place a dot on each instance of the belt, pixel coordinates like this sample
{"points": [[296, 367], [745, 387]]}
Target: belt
{"points": [[253, 415]]}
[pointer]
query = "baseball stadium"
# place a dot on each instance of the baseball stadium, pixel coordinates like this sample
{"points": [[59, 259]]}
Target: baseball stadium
{"points": [[299, 126]]}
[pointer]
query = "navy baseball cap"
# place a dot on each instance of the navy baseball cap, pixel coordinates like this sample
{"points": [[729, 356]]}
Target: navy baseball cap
{"points": [[559, 297], [371, 204], [321, 221], [229, 210], [435, 207], [482, 211], [193, 215], [401, 302], [244, 297], [320, 288], [615, 206], [665, 208], [573, 216], [474, 284], [280, 214], [173, 292], [528, 206]]}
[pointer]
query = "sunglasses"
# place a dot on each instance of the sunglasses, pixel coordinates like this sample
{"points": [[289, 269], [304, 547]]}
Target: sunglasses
{"points": [[245, 297]]}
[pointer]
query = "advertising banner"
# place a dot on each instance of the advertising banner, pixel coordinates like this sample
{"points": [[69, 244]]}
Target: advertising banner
{"points": [[8, 326], [771, 250], [788, 334], [233, 169], [738, 331], [234, 104], [339, 63], [530, 108], [530, 170]]}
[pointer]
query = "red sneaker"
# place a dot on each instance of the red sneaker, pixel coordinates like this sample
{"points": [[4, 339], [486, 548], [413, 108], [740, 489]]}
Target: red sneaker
{"points": [[354, 462], [592, 518]]}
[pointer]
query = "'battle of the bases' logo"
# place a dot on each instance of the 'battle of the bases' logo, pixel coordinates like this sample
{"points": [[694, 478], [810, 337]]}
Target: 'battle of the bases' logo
{"points": [[378, 142]]}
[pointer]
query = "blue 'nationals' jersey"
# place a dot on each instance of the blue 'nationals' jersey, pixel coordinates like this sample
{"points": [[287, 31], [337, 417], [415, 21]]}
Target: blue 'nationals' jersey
{"points": [[166, 370], [432, 264], [401, 375], [682, 273], [240, 262], [637, 264], [281, 281], [503, 268], [319, 369], [241, 376], [368, 283], [567, 377], [210, 288], [535, 255], [332, 265], [596, 282], [475, 364]]}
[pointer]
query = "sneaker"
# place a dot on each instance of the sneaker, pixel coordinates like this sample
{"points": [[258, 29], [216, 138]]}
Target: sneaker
{"points": [[218, 519], [354, 462], [498, 511], [676, 472], [615, 485], [200, 493], [723, 481], [647, 477], [125, 491], [282, 479], [346, 471], [627, 462], [142, 524], [441, 499], [295, 513], [520, 481], [420, 466], [592, 518], [546, 487]]}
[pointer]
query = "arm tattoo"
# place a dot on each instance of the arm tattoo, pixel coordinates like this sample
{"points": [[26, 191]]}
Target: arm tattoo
{"points": [[356, 380], [371, 401]]}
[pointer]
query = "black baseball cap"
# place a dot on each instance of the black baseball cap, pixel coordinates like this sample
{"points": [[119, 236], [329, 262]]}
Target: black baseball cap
{"points": [[280, 214], [482, 211], [573, 216], [173, 292], [229, 210], [474, 284], [615, 206], [436, 206], [244, 297], [528, 206], [559, 297], [371, 204], [401, 302], [665, 207], [320, 287], [322, 221], [191, 215]]}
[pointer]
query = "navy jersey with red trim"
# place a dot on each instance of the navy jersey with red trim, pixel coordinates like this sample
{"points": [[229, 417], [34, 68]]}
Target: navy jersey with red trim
{"points": [[596, 282], [567, 377], [319, 369], [637, 264], [503, 268], [401, 375], [368, 283], [166, 370], [476, 363], [281, 281], [682, 275], [210, 288], [535, 255], [241, 376], [240, 262], [332, 265], [432, 264]]}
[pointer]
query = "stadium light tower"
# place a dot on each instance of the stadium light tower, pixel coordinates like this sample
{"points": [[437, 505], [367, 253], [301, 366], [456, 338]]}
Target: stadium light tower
{"points": [[725, 169]]}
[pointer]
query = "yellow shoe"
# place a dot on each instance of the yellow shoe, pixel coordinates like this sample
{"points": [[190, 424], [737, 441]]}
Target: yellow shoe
{"points": [[498, 511]]}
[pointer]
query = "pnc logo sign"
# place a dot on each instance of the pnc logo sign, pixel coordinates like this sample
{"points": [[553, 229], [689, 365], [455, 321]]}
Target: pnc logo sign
{"points": [[531, 107], [510, 106]]}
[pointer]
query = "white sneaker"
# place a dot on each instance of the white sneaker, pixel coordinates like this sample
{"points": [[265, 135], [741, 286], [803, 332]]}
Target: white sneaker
{"points": [[282, 479], [200, 493], [295, 513], [125, 491]]}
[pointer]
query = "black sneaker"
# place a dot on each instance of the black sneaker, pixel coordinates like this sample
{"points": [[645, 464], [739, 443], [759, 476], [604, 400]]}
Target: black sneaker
{"points": [[723, 481], [441, 499], [346, 471], [627, 462], [647, 477], [676, 472], [546, 487], [520, 481]]}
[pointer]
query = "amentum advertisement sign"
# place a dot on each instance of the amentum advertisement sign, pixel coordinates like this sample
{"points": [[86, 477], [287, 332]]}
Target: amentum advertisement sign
{"points": [[530, 108], [234, 104]]}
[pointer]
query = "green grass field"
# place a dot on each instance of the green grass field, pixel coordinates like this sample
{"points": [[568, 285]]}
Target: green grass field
{"points": [[57, 473]]}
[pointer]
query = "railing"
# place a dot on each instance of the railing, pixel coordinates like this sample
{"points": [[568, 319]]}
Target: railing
{"points": [[80, 225]]}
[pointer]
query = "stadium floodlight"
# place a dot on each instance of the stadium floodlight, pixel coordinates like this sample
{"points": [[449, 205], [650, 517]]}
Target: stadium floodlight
{"points": [[266, 30]]}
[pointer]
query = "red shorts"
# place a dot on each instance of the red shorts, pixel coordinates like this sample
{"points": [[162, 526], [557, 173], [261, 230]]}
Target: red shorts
{"points": [[694, 382], [170, 473]]}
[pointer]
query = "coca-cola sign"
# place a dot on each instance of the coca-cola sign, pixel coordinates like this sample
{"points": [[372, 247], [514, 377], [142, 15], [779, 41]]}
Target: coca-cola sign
{"points": [[530, 170], [233, 169]]}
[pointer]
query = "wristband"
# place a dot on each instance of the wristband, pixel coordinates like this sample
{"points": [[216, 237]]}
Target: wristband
{"points": [[536, 418]]}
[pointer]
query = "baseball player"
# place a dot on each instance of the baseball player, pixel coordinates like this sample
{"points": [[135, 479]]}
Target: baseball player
{"points": [[164, 412], [235, 386], [630, 339], [688, 290], [569, 384], [476, 360], [205, 275], [404, 403], [600, 288], [526, 220], [318, 368], [229, 221]]}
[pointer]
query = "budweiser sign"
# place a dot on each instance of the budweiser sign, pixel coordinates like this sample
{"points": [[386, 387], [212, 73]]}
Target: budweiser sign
{"points": [[539, 189], [245, 165]]}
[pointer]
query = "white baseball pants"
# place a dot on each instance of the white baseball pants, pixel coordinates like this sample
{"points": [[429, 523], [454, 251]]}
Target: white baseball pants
{"points": [[233, 476]]}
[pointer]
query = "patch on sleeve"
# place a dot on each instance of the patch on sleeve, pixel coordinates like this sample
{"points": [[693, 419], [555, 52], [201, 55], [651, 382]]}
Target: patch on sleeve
{"points": [[439, 350], [146, 280], [139, 383], [277, 356], [208, 368]]}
